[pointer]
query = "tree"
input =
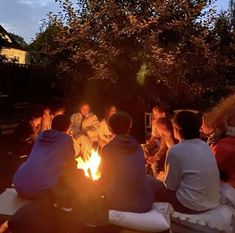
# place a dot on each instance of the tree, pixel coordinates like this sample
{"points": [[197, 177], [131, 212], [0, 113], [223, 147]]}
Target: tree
{"points": [[143, 46], [19, 39], [232, 9], [42, 47]]}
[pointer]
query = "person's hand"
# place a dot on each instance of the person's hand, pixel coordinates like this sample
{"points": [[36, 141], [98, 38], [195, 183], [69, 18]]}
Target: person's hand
{"points": [[151, 160]]}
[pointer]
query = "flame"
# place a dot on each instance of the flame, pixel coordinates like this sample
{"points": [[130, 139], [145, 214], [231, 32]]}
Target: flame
{"points": [[91, 165]]}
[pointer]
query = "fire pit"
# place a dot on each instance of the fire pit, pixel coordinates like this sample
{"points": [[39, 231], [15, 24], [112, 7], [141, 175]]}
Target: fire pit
{"points": [[90, 165]]}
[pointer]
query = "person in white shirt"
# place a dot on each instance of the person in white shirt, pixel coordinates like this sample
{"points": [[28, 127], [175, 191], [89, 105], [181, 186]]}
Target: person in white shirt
{"points": [[191, 180], [105, 135], [84, 129]]}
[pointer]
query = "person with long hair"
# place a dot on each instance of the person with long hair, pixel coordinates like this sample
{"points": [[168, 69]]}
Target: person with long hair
{"points": [[167, 140], [191, 180], [221, 123], [158, 111], [105, 135]]}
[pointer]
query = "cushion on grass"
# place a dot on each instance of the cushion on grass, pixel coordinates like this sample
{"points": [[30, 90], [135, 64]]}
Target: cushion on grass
{"points": [[156, 220], [220, 219]]}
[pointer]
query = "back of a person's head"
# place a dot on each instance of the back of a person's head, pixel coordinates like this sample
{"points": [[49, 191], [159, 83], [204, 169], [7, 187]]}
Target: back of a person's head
{"points": [[120, 123], [61, 123], [188, 123]]}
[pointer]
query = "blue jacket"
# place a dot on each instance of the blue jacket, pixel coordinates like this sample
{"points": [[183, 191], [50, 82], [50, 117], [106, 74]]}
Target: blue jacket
{"points": [[43, 168], [126, 184]]}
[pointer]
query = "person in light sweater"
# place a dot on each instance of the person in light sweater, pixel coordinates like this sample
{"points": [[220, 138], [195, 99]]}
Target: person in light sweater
{"points": [[84, 129], [105, 135], [191, 181]]}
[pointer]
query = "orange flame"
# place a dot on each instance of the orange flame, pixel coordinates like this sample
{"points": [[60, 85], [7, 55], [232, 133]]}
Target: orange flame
{"points": [[91, 165]]}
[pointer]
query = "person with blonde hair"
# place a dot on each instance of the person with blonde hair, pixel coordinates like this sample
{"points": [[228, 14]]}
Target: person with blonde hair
{"points": [[221, 122], [165, 129], [105, 135]]}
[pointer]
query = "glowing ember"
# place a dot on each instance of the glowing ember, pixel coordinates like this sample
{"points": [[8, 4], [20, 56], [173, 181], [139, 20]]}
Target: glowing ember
{"points": [[91, 165]]}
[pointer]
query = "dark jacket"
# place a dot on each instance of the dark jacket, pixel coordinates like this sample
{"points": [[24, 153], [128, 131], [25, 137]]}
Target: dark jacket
{"points": [[124, 179], [52, 151]]}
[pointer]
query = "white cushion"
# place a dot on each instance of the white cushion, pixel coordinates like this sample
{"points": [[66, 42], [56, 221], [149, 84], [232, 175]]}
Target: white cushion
{"points": [[219, 218], [10, 202], [156, 220]]}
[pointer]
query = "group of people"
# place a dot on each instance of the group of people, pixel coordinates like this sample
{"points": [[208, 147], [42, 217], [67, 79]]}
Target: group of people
{"points": [[187, 169], [85, 129], [88, 132]]}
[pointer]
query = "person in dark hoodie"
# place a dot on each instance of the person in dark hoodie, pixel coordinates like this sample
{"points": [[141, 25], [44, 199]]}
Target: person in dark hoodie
{"points": [[124, 181], [51, 154]]}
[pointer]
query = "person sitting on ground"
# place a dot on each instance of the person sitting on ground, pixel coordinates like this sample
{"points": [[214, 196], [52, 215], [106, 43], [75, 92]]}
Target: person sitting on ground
{"points": [[156, 148], [165, 129], [52, 153], [46, 120], [105, 135], [48, 115], [124, 181], [222, 119], [158, 112], [211, 133], [26, 132], [85, 130], [191, 180]]}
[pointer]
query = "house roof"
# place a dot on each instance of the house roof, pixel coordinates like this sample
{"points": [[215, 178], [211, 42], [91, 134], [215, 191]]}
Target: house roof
{"points": [[7, 41]]}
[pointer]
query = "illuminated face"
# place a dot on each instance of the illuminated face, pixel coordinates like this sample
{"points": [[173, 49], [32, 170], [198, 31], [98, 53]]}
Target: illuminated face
{"points": [[157, 114], [85, 109], [112, 110], [206, 129]]}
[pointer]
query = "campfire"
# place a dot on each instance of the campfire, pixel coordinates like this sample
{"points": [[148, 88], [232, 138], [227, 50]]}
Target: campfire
{"points": [[90, 165]]}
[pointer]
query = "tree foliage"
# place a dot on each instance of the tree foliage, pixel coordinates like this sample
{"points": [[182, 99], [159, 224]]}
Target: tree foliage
{"points": [[19, 39], [43, 47], [178, 46]]}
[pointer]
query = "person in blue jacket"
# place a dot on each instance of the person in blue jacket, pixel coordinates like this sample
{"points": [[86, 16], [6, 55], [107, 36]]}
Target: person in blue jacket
{"points": [[124, 181], [52, 153]]}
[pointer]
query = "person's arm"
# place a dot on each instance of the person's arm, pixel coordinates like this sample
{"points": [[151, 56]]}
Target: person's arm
{"points": [[104, 135], [173, 172], [93, 130], [161, 152], [74, 128]]}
